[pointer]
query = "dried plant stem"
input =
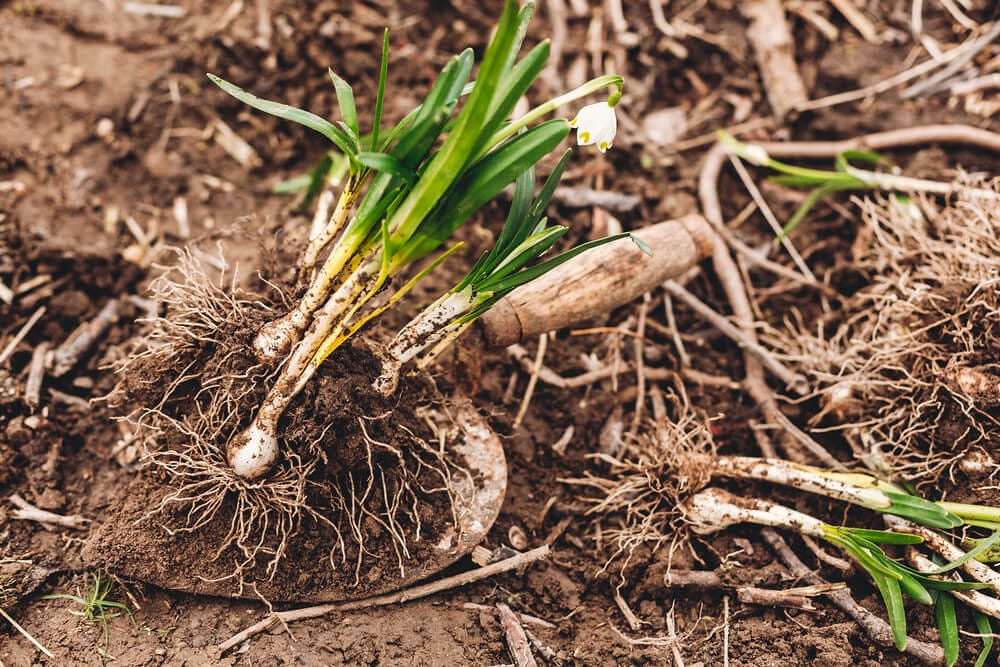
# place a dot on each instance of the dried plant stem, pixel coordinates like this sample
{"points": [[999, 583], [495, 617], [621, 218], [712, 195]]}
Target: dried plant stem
{"points": [[83, 339], [536, 368], [792, 380], [21, 333], [775, 51], [517, 641], [27, 512], [25, 633], [399, 597]]}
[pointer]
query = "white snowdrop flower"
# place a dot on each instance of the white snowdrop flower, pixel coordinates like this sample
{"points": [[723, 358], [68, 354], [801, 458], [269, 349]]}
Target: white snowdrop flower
{"points": [[595, 124]]}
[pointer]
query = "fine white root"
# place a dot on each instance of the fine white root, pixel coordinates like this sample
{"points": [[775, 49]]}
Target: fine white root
{"points": [[907, 374]]}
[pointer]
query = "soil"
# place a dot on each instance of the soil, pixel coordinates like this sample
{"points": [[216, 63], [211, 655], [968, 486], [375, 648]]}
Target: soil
{"points": [[110, 151]]}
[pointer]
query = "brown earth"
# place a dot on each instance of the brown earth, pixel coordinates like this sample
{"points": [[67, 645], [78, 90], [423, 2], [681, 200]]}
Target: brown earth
{"points": [[107, 117]]}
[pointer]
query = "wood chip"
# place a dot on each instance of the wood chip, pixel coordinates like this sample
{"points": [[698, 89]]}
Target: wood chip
{"points": [[159, 11], [235, 146]]}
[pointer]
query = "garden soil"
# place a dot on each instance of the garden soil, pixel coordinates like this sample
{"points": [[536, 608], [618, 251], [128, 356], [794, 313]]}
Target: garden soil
{"points": [[112, 141]]}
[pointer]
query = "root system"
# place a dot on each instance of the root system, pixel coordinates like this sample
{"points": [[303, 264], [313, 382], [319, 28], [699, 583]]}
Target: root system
{"points": [[358, 474], [908, 372]]}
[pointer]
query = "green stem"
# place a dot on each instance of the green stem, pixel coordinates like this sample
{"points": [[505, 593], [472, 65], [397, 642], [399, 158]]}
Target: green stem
{"points": [[973, 512], [592, 86]]}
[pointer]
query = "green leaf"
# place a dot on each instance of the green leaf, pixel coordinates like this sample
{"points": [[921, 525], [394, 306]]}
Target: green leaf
{"points": [[511, 88], [642, 245], [915, 589], [947, 622], [867, 554], [892, 597], [810, 201], [384, 162], [884, 536], [450, 160], [329, 130], [548, 189], [529, 274], [802, 181], [293, 185], [345, 100], [480, 185], [985, 628], [530, 249], [918, 510], [523, 190], [990, 555], [969, 555], [843, 159], [383, 74], [417, 134]]}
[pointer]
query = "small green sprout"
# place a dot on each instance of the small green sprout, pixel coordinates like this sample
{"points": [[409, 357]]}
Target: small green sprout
{"points": [[96, 606], [844, 177]]}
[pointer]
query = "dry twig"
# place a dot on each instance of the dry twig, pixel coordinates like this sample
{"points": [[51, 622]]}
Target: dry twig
{"points": [[399, 597], [774, 47], [25, 633], [27, 512], [517, 641]]}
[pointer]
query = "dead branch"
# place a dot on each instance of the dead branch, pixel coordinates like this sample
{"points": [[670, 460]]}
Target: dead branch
{"points": [[36, 375], [83, 339], [25, 633], [775, 50], [21, 333], [399, 597], [27, 512], [790, 379]]}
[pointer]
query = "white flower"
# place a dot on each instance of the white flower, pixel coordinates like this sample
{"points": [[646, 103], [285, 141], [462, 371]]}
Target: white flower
{"points": [[595, 124]]}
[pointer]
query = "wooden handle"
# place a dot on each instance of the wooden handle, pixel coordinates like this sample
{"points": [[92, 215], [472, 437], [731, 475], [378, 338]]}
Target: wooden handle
{"points": [[598, 281]]}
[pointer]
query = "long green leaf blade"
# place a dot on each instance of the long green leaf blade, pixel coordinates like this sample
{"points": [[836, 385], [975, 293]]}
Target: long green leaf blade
{"points": [[480, 186], [449, 162], [884, 536], [947, 622], [892, 597], [345, 100], [286, 112], [384, 162], [985, 628], [383, 75]]}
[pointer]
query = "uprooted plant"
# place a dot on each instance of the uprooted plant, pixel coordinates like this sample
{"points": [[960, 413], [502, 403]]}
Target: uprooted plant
{"points": [[907, 371], [658, 489], [240, 415]]}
